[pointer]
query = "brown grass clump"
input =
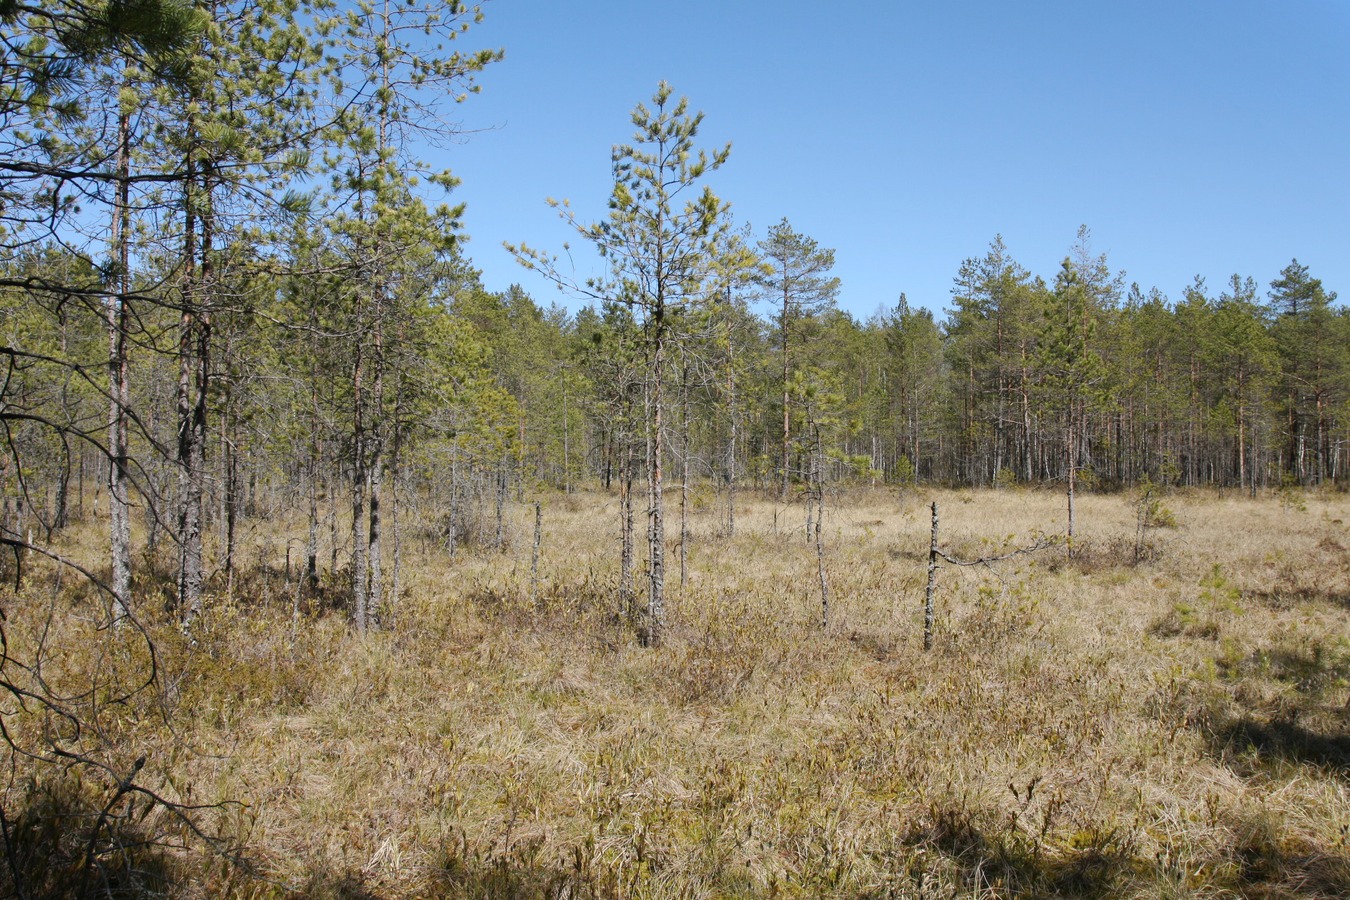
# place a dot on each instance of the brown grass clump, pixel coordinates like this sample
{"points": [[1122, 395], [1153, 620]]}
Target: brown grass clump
{"points": [[1095, 727]]}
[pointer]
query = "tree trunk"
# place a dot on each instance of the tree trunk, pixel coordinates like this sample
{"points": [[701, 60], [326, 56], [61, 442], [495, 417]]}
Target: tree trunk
{"points": [[119, 387], [194, 372], [626, 598], [929, 600], [731, 468], [656, 532], [395, 476], [534, 554], [787, 421], [500, 540], [1073, 468], [312, 539], [360, 574], [567, 454], [375, 536], [684, 473], [377, 429], [820, 541]]}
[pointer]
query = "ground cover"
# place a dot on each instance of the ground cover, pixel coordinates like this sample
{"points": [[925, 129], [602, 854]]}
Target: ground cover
{"points": [[1165, 714]]}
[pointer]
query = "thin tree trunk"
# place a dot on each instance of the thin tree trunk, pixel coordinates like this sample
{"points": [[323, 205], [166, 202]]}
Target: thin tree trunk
{"points": [[534, 555], [231, 492], [1073, 468], [656, 534], [731, 479], [193, 382], [377, 430], [930, 593], [684, 473], [360, 573], [60, 512], [731, 436], [119, 388], [315, 452], [375, 536], [500, 540], [567, 454], [626, 598], [820, 540], [395, 471], [787, 421], [452, 527], [312, 539]]}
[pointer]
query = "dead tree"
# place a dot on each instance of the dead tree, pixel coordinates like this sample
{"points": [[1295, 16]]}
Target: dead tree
{"points": [[935, 553]]}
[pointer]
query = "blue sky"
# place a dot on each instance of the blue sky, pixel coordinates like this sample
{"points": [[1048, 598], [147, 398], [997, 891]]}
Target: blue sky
{"points": [[1191, 137]]}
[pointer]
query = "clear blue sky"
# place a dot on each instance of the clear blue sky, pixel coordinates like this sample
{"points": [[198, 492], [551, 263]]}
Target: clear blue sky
{"points": [[1191, 137]]}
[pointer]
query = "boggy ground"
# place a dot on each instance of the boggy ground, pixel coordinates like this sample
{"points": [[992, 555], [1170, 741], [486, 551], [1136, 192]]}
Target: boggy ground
{"points": [[1096, 727]]}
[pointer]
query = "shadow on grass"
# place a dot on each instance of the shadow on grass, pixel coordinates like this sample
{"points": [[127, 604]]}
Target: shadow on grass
{"points": [[1283, 740], [1300, 727], [987, 859], [469, 874], [57, 844], [329, 885], [1282, 597], [1004, 861], [474, 872]]}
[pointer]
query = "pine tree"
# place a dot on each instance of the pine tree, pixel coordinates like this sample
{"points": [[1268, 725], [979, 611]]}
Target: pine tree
{"points": [[1242, 357], [1312, 361], [800, 286], [401, 51], [660, 255], [914, 379], [1074, 378]]}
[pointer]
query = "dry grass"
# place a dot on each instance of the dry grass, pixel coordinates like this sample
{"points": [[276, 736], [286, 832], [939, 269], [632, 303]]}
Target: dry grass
{"points": [[1084, 727]]}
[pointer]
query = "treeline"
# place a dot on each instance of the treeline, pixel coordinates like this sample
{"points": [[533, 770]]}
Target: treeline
{"points": [[225, 298], [1242, 388]]}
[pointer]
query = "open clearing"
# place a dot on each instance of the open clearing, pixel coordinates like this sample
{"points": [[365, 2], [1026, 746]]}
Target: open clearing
{"points": [[1088, 727]]}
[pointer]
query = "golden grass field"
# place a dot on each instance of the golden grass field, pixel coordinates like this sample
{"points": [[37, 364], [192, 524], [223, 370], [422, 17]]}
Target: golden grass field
{"points": [[1082, 728]]}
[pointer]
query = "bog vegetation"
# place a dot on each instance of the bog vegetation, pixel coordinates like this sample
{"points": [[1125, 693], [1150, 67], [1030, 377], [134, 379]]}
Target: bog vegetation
{"points": [[1086, 727], [322, 567]]}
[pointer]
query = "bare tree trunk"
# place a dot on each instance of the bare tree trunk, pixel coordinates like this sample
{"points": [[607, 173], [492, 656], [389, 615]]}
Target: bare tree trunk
{"points": [[534, 555], [59, 512], [1242, 443], [820, 541], [312, 539], [810, 511], [656, 532], [231, 493], [331, 482], [787, 420], [396, 471], [1073, 469], [567, 453], [375, 537], [315, 452], [500, 540], [360, 573], [731, 441], [930, 594], [684, 472], [119, 387], [193, 383], [452, 527], [626, 598], [378, 428]]}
